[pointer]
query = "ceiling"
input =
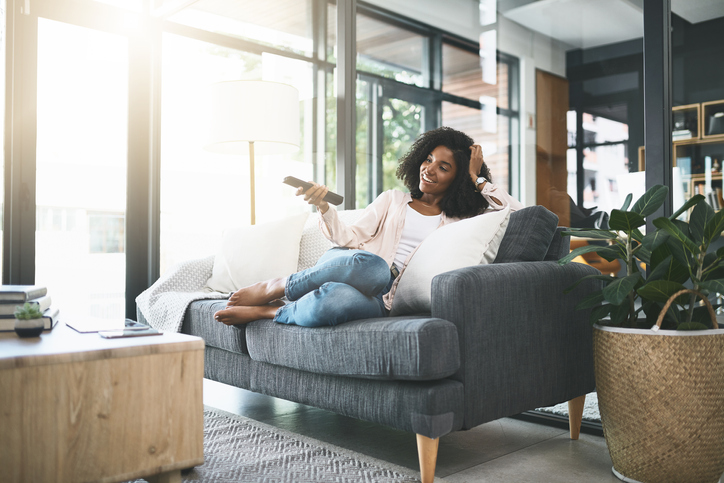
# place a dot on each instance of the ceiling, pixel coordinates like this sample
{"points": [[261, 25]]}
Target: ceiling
{"points": [[590, 23]]}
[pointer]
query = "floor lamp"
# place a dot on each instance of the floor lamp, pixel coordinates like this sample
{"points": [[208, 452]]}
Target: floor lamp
{"points": [[258, 117]]}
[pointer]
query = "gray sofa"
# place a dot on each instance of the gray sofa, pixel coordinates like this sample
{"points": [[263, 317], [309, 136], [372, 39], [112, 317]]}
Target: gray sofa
{"points": [[501, 339]]}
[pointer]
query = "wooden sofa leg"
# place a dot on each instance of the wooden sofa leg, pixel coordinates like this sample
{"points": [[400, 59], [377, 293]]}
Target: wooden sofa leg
{"points": [[575, 415], [427, 453]]}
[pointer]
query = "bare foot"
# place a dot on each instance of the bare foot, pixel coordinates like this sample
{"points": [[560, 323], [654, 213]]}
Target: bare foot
{"points": [[260, 293], [243, 314]]}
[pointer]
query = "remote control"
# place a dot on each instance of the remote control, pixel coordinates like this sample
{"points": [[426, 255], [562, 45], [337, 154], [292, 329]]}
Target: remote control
{"points": [[330, 197]]}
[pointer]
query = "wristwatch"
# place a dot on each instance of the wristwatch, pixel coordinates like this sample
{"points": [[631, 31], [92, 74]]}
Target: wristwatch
{"points": [[480, 181]]}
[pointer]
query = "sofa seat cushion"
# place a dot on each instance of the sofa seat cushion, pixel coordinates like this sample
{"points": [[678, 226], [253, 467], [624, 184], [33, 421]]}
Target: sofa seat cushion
{"points": [[393, 348], [199, 321]]}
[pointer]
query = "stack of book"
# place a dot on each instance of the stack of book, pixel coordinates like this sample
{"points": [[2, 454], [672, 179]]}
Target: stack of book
{"points": [[714, 198], [12, 296], [681, 134]]}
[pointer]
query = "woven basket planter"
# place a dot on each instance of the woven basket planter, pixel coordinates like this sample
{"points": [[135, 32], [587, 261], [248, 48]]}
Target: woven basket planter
{"points": [[661, 399]]}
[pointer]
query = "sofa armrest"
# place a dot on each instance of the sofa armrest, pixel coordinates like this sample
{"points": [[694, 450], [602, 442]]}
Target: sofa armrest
{"points": [[522, 342]]}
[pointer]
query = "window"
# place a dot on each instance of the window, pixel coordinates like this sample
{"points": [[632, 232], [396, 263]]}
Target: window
{"points": [[106, 232], [605, 162], [398, 99], [490, 131], [390, 51], [81, 167], [463, 76]]}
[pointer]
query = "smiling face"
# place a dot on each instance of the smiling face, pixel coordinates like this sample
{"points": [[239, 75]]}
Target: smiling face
{"points": [[438, 171]]}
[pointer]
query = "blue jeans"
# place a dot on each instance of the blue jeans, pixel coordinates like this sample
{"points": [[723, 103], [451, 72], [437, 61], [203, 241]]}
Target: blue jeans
{"points": [[344, 285]]}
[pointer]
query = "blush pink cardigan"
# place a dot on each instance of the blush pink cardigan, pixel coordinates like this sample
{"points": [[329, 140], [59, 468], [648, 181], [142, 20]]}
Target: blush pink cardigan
{"points": [[380, 227]]}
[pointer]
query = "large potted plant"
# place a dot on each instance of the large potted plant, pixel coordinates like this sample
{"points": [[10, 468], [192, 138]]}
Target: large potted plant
{"points": [[660, 392]]}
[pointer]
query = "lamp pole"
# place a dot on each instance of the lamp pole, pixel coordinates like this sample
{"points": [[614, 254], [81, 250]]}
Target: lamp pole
{"points": [[246, 112], [252, 182]]}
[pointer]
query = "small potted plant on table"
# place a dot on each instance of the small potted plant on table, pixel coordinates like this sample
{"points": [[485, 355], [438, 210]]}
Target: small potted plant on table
{"points": [[660, 392], [29, 320]]}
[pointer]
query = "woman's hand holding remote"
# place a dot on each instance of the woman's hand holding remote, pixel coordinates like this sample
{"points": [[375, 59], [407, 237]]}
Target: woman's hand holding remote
{"points": [[314, 196]]}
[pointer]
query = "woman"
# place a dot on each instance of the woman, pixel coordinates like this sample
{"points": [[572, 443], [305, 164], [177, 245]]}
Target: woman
{"points": [[448, 180]]}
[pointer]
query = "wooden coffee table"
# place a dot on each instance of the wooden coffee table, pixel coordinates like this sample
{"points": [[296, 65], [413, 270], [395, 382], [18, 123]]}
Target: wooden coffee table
{"points": [[77, 407]]}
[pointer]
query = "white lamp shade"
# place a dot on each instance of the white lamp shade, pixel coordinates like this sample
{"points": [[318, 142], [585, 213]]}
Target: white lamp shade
{"points": [[262, 112]]}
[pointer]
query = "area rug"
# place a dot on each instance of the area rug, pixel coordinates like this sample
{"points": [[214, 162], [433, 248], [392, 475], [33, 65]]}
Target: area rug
{"points": [[238, 449], [590, 408]]}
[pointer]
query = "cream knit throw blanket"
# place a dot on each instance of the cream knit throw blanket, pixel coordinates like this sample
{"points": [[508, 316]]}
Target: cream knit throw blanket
{"points": [[164, 303]]}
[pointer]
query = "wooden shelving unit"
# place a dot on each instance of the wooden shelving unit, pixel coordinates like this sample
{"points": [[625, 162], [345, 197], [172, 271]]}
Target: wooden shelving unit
{"points": [[712, 120], [698, 140]]}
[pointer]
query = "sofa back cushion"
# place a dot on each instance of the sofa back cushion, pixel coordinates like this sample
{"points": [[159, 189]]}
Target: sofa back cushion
{"points": [[529, 235], [560, 245]]}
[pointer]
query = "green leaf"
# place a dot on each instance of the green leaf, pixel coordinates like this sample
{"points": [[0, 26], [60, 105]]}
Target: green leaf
{"points": [[643, 254], [661, 290], [619, 314], [674, 270], [692, 326], [652, 311], [676, 233], [714, 227], [627, 202], [701, 214], [625, 220], [654, 240], [671, 319], [689, 203], [580, 251], [701, 315], [616, 292], [713, 286], [713, 265], [599, 313], [660, 270], [651, 200], [612, 252], [605, 278], [590, 300], [681, 255]]}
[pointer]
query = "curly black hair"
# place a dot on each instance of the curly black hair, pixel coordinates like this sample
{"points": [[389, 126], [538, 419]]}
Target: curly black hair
{"points": [[462, 199]]}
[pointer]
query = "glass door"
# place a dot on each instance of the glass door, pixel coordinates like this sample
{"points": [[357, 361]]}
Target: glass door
{"points": [[389, 119], [81, 163]]}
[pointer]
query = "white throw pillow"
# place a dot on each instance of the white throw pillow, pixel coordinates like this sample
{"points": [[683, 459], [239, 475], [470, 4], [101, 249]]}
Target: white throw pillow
{"points": [[461, 244], [314, 244], [250, 254]]}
